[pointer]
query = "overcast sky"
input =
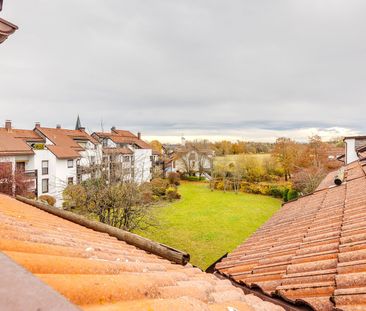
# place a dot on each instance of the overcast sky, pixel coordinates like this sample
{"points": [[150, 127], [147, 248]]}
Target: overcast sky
{"points": [[220, 69]]}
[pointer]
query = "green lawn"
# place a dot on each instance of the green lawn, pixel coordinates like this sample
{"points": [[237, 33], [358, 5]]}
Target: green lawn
{"points": [[208, 224]]}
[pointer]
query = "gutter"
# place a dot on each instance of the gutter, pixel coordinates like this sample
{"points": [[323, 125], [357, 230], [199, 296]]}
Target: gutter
{"points": [[145, 244], [276, 300]]}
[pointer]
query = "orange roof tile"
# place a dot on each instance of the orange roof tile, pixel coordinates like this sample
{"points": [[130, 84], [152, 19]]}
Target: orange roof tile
{"points": [[312, 250], [98, 272], [65, 141], [124, 137], [9, 145]]}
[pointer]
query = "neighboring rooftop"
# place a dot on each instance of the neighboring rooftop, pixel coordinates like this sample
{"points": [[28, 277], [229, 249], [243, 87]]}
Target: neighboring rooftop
{"points": [[97, 272], [66, 143], [123, 137], [313, 250], [14, 141]]}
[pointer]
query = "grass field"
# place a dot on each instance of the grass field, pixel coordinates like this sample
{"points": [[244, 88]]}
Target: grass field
{"points": [[208, 224]]}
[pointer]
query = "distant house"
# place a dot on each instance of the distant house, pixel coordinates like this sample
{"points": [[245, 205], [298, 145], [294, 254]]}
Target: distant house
{"points": [[129, 156], [192, 160]]}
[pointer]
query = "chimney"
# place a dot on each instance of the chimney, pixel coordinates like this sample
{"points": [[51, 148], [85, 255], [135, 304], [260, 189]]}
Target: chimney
{"points": [[113, 128], [58, 126], [139, 135], [8, 125], [81, 128], [38, 124], [350, 152]]}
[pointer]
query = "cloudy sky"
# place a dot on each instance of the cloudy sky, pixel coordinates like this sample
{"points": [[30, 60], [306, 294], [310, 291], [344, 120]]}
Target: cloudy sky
{"points": [[220, 69]]}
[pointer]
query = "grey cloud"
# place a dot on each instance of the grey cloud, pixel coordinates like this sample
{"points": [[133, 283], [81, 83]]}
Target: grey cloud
{"points": [[165, 66]]}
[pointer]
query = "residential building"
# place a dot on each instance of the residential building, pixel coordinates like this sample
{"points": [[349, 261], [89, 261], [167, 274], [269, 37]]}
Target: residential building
{"points": [[65, 159], [192, 159], [50, 158], [129, 157], [19, 155]]}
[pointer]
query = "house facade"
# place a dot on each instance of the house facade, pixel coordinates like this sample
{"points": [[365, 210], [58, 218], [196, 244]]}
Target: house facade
{"points": [[127, 155], [51, 158]]}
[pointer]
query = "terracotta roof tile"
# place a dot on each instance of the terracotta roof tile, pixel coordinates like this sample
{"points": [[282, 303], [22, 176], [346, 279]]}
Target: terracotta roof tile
{"points": [[312, 250], [98, 272], [65, 142], [123, 137]]}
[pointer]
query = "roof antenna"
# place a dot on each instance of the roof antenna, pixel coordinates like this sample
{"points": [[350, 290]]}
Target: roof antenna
{"points": [[101, 124]]}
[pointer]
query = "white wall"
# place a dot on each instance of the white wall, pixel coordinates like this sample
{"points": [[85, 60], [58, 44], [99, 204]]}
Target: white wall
{"points": [[351, 154], [142, 165]]}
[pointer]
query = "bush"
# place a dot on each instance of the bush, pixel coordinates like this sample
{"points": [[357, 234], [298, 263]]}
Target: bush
{"points": [[74, 196], [172, 194], [158, 186], [49, 199], [292, 195], [174, 178]]}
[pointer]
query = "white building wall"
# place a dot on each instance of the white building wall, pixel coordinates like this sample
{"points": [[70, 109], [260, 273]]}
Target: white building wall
{"points": [[142, 165], [351, 154]]}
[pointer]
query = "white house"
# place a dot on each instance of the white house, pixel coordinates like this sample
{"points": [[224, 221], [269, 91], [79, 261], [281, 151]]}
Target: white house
{"points": [[65, 154], [193, 160], [128, 152]]}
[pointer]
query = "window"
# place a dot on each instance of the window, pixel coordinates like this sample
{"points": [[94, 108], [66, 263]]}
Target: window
{"points": [[70, 180], [20, 167], [45, 185], [70, 163], [92, 160], [44, 167], [126, 158]]}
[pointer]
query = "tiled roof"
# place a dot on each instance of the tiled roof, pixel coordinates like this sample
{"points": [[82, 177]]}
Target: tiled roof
{"points": [[65, 141], [312, 250], [123, 150], [123, 137], [9, 145], [98, 272]]}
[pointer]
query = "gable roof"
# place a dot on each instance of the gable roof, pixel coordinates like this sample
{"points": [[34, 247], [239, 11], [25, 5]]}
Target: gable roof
{"points": [[65, 141], [123, 137], [98, 272], [313, 250], [14, 141]]}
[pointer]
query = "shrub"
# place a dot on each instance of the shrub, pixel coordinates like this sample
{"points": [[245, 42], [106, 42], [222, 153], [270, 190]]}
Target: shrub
{"points": [[49, 199], [172, 194], [174, 178], [158, 186], [292, 195], [30, 195], [193, 178], [74, 196]]}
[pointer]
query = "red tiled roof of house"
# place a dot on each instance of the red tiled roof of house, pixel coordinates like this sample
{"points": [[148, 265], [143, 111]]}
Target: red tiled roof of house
{"points": [[124, 137], [65, 141], [9, 145], [13, 141], [312, 250], [97, 272], [123, 150]]}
